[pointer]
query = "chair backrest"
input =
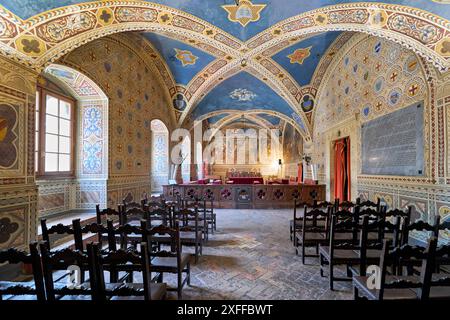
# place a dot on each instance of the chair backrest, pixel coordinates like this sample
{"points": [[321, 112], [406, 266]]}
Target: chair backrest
{"points": [[130, 205], [62, 260], [157, 216], [15, 256], [347, 226], [344, 205], [419, 225], [408, 252], [150, 236], [92, 228], [184, 216], [119, 260], [399, 213], [132, 214], [58, 229], [311, 219], [107, 213], [369, 204], [373, 214], [379, 227], [298, 205], [123, 231], [320, 204]]}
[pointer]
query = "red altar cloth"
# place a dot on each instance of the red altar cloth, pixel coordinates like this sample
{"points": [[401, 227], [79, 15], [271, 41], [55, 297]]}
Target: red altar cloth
{"points": [[246, 180]]}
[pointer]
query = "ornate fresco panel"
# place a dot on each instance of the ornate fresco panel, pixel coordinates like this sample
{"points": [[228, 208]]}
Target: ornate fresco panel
{"points": [[371, 77]]}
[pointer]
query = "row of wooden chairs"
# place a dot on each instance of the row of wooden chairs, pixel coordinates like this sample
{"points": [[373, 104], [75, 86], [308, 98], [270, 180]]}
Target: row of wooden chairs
{"points": [[354, 235], [297, 221], [205, 204], [93, 259]]}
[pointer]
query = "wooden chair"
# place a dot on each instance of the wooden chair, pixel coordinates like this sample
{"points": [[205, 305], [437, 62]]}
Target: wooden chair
{"points": [[171, 260], [371, 246], [63, 260], [191, 231], [393, 287], [211, 216], [103, 216], [313, 232], [23, 290], [190, 218], [123, 260], [343, 250], [54, 231], [297, 221]]}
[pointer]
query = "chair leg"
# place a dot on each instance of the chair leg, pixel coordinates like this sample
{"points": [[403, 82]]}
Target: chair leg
{"points": [[355, 293], [180, 284], [290, 232], [188, 274], [303, 254], [331, 277], [321, 265], [196, 252]]}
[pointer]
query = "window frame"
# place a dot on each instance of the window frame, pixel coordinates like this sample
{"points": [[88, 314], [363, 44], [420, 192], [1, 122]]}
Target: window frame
{"points": [[40, 170]]}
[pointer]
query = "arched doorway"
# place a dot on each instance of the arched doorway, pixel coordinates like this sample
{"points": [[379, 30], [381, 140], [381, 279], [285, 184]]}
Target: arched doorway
{"points": [[160, 155]]}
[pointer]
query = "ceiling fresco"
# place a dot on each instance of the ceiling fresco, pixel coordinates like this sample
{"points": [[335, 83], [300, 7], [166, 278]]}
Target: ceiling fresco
{"points": [[217, 118], [242, 92], [302, 59], [273, 120], [243, 22], [183, 60], [216, 55]]}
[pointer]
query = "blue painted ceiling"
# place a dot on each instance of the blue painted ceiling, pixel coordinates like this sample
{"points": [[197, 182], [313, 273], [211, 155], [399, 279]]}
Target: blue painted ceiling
{"points": [[316, 46], [272, 119], [168, 47], [242, 92], [212, 11]]}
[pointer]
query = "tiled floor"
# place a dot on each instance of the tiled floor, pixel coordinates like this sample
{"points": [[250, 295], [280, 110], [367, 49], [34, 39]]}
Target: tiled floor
{"points": [[251, 257]]}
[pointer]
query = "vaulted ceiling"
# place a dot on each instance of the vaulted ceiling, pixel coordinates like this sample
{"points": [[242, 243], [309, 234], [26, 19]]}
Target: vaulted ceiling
{"points": [[242, 69]]}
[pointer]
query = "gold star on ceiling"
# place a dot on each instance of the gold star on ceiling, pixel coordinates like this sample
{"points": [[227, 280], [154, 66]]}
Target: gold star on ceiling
{"points": [[186, 57], [299, 55], [245, 12]]}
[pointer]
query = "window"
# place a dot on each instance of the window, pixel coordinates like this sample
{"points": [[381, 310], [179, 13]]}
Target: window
{"points": [[54, 134]]}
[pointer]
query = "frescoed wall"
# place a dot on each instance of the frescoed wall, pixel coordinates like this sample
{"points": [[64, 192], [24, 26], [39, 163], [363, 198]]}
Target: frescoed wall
{"points": [[135, 98], [88, 187], [369, 78], [292, 151], [18, 194]]}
